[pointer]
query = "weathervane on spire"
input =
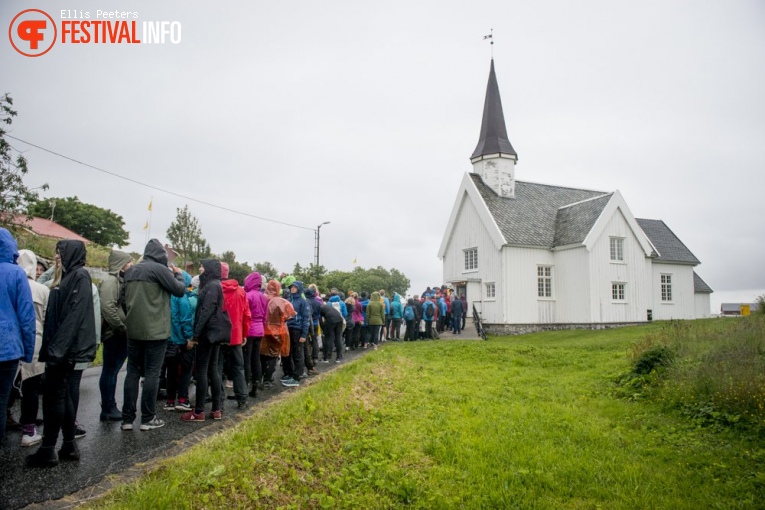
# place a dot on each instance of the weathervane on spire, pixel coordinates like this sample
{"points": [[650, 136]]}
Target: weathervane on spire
{"points": [[490, 36]]}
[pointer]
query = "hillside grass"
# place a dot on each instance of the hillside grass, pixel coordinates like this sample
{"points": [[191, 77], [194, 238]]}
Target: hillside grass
{"points": [[521, 422], [97, 256]]}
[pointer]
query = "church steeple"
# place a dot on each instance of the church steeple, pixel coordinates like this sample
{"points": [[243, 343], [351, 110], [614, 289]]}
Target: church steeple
{"points": [[494, 157]]}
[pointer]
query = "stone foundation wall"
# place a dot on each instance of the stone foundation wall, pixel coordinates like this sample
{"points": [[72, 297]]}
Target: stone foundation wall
{"points": [[522, 329]]}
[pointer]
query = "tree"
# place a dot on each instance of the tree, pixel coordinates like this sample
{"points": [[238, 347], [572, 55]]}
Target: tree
{"points": [[101, 226], [368, 280], [186, 236], [15, 196], [236, 270], [266, 270]]}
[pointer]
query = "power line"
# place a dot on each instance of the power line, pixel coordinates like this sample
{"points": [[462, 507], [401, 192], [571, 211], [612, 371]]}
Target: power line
{"points": [[158, 188]]}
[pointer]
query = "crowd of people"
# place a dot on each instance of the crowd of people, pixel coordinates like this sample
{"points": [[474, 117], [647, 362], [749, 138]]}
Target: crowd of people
{"points": [[171, 328]]}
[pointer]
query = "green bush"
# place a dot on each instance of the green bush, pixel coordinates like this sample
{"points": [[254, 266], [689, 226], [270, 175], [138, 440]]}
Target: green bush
{"points": [[713, 371]]}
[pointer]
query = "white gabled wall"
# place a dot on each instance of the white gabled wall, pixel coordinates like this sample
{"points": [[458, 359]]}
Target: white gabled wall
{"points": [[572, 279], [522, 305], [634, 271], [469, 232], [683, 304]]}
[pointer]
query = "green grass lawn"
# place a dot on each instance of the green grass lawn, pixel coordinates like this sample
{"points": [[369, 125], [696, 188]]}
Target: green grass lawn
{"points": [[517, 422]]}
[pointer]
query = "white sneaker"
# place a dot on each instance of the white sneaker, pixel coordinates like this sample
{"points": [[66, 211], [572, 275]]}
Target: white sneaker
{"points": [[229, 384], [31, 440], [126, 426], [155, 423]]}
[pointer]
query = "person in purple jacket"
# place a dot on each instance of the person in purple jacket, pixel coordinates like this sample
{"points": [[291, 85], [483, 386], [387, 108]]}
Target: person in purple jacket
{"points": [[258, 302]]}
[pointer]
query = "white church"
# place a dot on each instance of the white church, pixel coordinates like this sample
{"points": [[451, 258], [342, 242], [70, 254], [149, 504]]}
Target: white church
{"points": [[533, 256]]}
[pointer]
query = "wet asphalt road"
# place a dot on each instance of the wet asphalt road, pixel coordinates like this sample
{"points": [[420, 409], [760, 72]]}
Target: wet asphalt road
{"points": [[106, 449]]}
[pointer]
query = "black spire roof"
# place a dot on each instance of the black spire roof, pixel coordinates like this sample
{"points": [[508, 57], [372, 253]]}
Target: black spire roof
{"points": [[493, 131]]}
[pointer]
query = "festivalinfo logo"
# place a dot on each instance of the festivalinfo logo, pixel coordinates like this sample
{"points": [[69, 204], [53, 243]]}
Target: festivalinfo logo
{"points": [[33, 32]]}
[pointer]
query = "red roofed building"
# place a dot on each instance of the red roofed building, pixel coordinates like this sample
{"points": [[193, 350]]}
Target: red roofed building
{"points": [[47, 228]]}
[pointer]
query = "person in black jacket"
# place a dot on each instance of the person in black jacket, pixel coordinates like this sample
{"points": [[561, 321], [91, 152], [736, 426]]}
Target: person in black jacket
{"points": [[69, 337], [417, 317], [210, 298], [332, 326]]}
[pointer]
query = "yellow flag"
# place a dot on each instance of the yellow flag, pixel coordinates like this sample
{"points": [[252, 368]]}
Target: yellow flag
{"points": [[355, 259], [150, 202], [146, 226]]}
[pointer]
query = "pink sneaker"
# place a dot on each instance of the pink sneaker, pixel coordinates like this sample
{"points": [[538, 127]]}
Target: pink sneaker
{"points": [[192, 416], [217, 415]]}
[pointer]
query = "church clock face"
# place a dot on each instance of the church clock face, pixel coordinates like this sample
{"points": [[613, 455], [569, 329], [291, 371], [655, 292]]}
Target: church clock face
{"points": [[491, 164]]}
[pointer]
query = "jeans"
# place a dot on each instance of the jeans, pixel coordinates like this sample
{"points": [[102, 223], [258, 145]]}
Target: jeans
{"points": [[115, 354], [269, 367], [253, 369], [30, 399], [333, 337], [7, 374], [207, 359], [235, 357], [313, 339], [410, 333], [145, 357], [179, 361], [73, 386], [374, 331], [456, 325], [349, 335], [396, 332], [58, 409], [293, 364], [357, 330]]}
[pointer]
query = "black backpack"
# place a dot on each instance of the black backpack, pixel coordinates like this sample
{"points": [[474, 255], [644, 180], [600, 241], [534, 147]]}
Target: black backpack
{"points": [[429, 310]]}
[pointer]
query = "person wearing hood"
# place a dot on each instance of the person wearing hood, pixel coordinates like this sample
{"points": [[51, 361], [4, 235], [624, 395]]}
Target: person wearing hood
{"points": [[385, 331], [350, 326], [410, 315], [276, 337], [17, 321], [235, 301], [30, 374], [209, 301], [147, 289], [358, 322], [69, 338], [397, 316], [429, 314], [258, 305], [457, 313], [178, 359], [311, 350], [113, 333], [375, 317], [298, 325]]}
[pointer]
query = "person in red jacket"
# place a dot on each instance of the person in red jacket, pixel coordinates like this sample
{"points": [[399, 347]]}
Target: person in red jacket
{"points": [[235, 302]]}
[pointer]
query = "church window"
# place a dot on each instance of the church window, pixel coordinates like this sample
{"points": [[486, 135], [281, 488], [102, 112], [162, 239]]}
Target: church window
{"points": [[617, 291], [491, 291], [666, 287], [617, 248], [544, 281], [471, 259]]}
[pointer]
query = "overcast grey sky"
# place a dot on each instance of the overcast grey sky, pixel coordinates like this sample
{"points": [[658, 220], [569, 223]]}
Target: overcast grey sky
{"points": [[365, 114]]}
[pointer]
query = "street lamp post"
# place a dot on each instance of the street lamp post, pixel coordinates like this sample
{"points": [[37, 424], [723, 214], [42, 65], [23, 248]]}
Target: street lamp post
{"points": [[318, 233]]}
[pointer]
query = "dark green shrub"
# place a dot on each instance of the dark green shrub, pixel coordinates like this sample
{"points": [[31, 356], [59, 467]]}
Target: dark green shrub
{"points": [[650, 360]]}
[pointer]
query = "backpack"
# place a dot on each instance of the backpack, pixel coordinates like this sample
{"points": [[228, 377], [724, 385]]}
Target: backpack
{"points": [[409, 313], [429, 311], [336, 306]]}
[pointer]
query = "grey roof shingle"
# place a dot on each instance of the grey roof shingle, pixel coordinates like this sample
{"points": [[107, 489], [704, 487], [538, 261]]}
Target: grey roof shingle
{"points": [[574, 222], [530, 218], [669, 246], [493, 137], [700, 286]]}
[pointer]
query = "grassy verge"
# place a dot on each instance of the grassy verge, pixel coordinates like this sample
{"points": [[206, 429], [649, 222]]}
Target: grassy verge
{"points": [[522, 422], [97, 256]]}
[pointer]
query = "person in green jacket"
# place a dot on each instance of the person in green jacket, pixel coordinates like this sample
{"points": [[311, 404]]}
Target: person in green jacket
{"points": [[375, 317], [113, 333]]}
